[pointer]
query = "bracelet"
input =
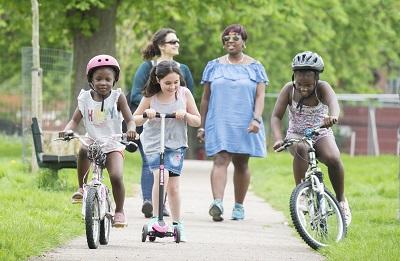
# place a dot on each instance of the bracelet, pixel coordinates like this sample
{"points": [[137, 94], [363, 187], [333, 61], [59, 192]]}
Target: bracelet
{"points": [[200, 129], [257, 120]]}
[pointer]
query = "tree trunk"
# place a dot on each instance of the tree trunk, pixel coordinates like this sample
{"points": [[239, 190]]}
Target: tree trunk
{"points": [[101, 41]]}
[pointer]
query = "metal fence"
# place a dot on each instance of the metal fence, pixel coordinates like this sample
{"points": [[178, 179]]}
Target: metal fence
{"points": [[369, 123], [57, 69]]}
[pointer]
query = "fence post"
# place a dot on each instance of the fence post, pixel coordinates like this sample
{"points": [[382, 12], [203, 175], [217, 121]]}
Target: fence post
{"points": [[36, 73], [373, 144], [352, 143]]}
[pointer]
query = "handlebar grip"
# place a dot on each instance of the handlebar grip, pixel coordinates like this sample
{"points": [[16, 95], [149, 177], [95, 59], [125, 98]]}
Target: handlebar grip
{"points": [[68, 135], [158, 115], [281, 148]]}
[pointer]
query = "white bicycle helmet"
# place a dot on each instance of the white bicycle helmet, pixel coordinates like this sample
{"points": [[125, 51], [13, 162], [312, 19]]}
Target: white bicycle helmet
{"points": [[308, 61]]}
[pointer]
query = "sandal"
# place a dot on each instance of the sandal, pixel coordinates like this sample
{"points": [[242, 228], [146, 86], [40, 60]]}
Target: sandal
{"points": [[77, 197]]}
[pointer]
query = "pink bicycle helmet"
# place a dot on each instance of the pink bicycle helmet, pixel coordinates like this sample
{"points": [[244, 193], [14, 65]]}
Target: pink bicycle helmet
{"points": [[100, 61]]}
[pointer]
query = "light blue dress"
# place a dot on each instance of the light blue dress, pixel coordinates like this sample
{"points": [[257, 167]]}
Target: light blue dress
{"points": [[231, 106]]}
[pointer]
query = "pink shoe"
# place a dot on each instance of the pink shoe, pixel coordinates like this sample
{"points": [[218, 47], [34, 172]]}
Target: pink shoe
{"points": [[119, 220]]}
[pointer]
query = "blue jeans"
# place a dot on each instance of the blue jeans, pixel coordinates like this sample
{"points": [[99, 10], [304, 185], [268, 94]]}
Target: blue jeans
{"points": [[147, 178]]}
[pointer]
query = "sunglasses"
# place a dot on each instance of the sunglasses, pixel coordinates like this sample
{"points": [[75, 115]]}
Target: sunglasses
{"points": [[235, 38], [173, 42]]}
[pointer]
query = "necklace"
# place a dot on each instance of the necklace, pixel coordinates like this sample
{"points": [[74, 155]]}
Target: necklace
{"points": [[229, 61]]}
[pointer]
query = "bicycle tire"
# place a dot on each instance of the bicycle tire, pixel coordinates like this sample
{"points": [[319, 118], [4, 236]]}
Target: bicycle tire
{"points": [[92, 219], [105, 224], [317, 232]]}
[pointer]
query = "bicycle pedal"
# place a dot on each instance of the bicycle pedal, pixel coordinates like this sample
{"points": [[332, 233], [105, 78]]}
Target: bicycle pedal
{"points": [[109, 215]]}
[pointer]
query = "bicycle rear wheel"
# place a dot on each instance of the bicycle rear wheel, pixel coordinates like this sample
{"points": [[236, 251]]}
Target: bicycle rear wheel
{"points": [[316, 229], [105, 224], [92, 219]]}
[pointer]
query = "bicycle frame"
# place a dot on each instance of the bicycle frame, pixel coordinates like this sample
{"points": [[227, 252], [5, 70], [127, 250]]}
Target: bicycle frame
{"points": [[97, 171], [97, 183], [313, 172], [315, 212], [97, 179], [96, 204]]}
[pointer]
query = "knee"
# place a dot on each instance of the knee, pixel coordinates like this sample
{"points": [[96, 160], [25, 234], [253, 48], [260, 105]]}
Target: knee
{"points": [[116, 178], [241, 168], [333, 161], [173, 190], [221, 160], [299, 151]]}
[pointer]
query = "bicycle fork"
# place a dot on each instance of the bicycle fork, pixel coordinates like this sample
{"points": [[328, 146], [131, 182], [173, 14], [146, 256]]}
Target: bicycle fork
{"points": [[318, 186], [101, 192]]}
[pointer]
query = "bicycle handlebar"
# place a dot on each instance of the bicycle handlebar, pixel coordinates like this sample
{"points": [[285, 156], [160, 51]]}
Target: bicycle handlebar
{"points": [[71, 135], [158, 115], [309, 133]]}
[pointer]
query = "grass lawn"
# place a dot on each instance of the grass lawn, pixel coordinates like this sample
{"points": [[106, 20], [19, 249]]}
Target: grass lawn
{"points": [[35, 210], [371, 186], [36, 214]]}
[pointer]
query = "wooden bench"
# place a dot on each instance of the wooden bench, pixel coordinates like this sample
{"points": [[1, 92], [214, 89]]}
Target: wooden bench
{"points": [[49, 161]]}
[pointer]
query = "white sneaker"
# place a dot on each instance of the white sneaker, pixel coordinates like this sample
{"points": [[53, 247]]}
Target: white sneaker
{"points": [[344, 205]]}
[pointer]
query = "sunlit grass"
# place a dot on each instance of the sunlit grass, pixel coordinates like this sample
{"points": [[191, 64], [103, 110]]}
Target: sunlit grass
{"points": [[371, 186]]}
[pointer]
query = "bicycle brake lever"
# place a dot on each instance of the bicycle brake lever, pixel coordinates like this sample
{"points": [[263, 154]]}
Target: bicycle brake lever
{"points": [[282, 147]]}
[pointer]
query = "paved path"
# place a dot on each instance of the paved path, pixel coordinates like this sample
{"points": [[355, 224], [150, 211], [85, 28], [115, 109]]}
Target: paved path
{"points": [[263, 235]]}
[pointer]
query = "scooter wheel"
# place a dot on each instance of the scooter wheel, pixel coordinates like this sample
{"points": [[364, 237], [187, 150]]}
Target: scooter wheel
{"points": [[144, 233], [177, 235], [152, 238]]}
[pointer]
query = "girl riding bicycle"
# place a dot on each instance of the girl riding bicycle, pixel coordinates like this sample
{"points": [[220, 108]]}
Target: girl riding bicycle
{"points": [[101, 109], [311, 103], [163, 93]]}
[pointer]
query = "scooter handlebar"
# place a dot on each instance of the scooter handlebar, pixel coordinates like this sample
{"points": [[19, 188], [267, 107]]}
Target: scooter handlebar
{"points": [[158, 115]]}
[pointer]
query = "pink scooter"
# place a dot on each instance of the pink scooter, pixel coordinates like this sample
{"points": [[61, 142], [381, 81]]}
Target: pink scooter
{"points": [[160, 228]]}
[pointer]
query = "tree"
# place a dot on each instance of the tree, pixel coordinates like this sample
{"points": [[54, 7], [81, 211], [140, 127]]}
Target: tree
{"points": [[86, 26], [354, 37], [351, 44]]}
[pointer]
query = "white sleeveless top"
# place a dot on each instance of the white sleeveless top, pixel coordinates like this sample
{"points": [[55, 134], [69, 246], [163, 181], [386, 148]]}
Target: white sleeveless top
{"points": [[175, 130], [100, 124]]}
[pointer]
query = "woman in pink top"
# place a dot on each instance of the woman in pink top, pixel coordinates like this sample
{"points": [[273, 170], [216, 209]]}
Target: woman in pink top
{"points": [[311, 103]]}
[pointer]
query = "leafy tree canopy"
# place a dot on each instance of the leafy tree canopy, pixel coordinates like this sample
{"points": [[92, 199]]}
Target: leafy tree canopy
{"points": [[353, 37]]}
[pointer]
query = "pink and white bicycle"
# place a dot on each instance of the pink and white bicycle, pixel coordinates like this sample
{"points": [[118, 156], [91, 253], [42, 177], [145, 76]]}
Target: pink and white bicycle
{"points": [[97, 207]]}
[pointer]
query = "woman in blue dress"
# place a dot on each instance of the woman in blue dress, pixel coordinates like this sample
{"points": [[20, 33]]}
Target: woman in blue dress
{"points": [[231, 109]]}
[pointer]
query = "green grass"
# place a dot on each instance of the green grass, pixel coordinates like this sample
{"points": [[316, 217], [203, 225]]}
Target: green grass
{"points": [[371, 186], [36, 214], [35, 210]]}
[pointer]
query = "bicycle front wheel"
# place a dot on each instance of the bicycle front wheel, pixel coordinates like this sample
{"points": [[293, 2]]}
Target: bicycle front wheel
{"points": [[317, 227], [92, 219]]}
